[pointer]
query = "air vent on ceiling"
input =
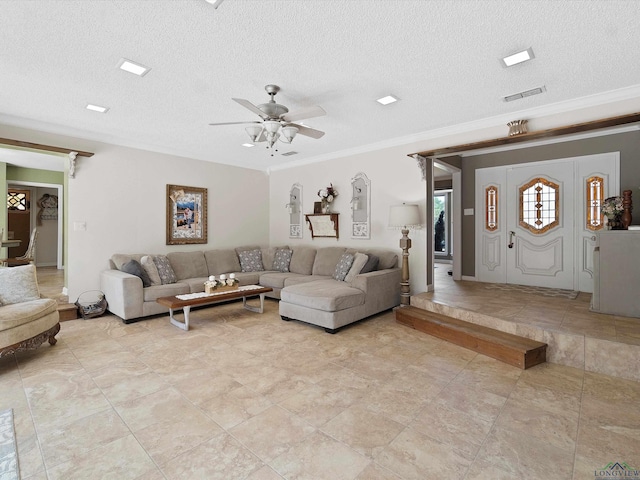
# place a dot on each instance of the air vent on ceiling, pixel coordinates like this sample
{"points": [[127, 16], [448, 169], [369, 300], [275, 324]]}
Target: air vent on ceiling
{"points": [[528, 93], [288, 154]]}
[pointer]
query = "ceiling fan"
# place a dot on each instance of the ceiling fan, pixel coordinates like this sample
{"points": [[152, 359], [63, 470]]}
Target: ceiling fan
{"points": [[276, 122]]}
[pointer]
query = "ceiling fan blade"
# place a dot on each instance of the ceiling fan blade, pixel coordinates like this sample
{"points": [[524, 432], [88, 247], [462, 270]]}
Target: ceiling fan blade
{"points": [[302, 114], [250, 106], [233, 123], [307, 131]]}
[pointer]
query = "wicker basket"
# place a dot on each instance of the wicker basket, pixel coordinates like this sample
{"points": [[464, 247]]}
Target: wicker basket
{"points": [[91, 304]]}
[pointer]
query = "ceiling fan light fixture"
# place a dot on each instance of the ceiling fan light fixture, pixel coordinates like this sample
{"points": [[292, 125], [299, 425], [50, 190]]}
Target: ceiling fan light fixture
{"points": [[271, 126], [289, 133], [254, 132]]}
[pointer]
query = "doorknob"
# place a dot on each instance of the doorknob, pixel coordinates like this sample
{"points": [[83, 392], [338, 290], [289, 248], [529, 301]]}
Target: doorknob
{"points": [[511, 235]]}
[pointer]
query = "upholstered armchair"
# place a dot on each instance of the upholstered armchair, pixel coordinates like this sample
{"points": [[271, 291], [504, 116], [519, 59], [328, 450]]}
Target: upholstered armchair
{"points": [[26, 319]]}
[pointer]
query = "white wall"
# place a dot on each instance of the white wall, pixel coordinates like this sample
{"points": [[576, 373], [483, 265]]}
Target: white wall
{"points": [[395, 178], [121, 195]]}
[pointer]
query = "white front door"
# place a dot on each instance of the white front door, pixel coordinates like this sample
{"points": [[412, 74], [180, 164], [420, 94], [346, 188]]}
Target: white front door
{"points": [[540, 225], [535, 222]]}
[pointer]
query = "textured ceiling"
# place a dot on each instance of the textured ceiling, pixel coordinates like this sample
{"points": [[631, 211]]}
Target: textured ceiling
{"points": [[441, 58]]}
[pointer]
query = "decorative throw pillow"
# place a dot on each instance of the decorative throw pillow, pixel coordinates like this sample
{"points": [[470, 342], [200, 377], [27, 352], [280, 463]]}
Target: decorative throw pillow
{"points": [[151, 269], [18, 284], [282, 259], [251, 260], [371, 265], [134, 268], [356, 267], [164, 269], [343, 266]]}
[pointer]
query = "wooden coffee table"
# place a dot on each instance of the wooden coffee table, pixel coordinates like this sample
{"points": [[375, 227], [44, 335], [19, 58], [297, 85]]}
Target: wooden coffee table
{"points": [[188, 300]]}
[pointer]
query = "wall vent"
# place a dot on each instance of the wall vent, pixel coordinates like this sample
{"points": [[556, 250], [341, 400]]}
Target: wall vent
{"points": [[527, 93]]}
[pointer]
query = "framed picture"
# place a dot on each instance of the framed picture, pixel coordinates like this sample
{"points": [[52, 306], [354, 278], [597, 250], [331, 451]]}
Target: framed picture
{"points": [[317, 207], [186, 215]]}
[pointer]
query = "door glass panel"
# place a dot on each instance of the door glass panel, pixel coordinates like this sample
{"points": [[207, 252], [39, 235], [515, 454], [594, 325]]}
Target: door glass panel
{"points": [[491, 208], [539, 205], [595, 195], [440, 227], [18, 201]]}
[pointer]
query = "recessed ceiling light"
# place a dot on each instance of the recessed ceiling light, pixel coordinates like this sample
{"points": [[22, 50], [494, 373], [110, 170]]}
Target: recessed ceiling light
{"points": [[97, 108], [518, 57], [248, 145], [133, 67], [215, 3], [387, 100]]}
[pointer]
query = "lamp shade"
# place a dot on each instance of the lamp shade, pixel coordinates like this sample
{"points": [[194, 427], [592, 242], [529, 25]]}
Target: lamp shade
{"points": [[404, 215], [254, 132], [289, 133], [271, 126]]}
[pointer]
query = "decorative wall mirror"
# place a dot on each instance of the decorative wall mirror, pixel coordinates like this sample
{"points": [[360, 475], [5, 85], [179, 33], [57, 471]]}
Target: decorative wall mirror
{"points": [[294, 207], [360, 206]]}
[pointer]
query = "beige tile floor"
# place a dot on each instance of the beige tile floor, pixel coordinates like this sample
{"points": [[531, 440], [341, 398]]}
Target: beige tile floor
{"points": [[575, 336], [243, 395]]}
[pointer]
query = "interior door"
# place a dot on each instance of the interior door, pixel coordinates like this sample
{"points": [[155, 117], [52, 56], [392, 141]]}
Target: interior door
{"points": [[540, 224]]}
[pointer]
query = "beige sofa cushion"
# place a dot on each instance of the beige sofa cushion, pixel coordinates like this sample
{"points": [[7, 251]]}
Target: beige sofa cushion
{"points": [[17, 314], [152, 271], [188, 264], [222, 261], [297, 279], [326, 260], [325, 295], [302, 260], [150, 294], [18, 284], [276, 279], [388, 259], [119, 259], [358, 262]]}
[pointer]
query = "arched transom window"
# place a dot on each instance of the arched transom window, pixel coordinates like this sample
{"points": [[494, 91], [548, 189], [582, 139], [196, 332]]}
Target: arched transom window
{"points": [[539, 205]]}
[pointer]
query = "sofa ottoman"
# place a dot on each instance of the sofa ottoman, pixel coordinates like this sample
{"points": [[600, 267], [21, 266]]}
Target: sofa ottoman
{"points": [[327, 303]]}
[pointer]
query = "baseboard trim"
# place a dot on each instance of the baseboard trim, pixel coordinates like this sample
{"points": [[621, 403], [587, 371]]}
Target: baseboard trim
{"points": [[469, 279]]}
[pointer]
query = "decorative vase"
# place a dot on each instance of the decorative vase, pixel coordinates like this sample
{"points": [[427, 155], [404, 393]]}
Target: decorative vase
{"points": [[326, 207], [615, 223]]}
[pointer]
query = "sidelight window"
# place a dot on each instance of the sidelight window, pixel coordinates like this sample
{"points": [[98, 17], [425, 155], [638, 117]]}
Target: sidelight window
{"points": [[595, 196]]}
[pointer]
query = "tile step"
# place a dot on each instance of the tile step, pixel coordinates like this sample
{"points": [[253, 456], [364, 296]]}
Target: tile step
{"points": [[67, 311], [517, 351]]}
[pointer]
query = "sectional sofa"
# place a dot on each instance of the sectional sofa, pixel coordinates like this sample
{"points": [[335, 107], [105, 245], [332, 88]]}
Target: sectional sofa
{"points": [[330, 287]]}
